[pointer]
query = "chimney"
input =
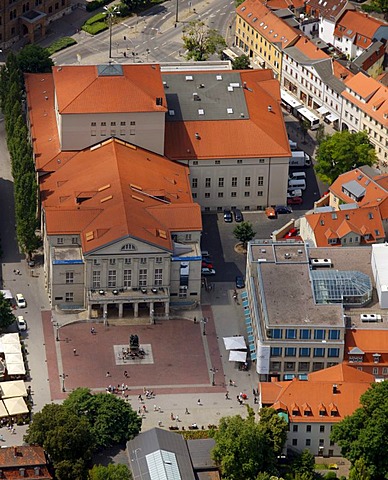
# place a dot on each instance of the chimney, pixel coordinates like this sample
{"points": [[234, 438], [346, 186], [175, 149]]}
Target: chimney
{"points": [[335, 389], [245, 85], [197, 136], [269, 108], [15, 451]]}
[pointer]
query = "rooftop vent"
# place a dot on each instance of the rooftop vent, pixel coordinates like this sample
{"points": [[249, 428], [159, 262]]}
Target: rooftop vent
{"points": [[218, 77], [197, 136], [335, 388], [229, 110], [189, 78], [269, 108], [159, 101], [242, 115], [196, 97], [201, 85]]}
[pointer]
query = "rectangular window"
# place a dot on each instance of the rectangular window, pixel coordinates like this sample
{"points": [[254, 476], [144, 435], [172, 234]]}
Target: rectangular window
{"points": [[247, 194], [291, 333], [276, 351], [111, 278], [305, 334], [319, 334], [304, 352], [220, 182], [294, 442], [289, 366], [159, 260], [234, 181], [60, 241], [112, 261], [290, 351], [220, 195], [69, 297], [333, 352], [207, 194], [143, 260], [96, 279], [143, 277], [127, 261], [308, 442], [308, 428], [207, 182], [304, 366], [127, 278], [158, 277], [295, 428], [275, 333], [321, 428], [319, 352], [233, 194], [260, 193], [96, 261], [334, 334], [69, 277], [74, 240], [247, 181], [182, 292], [194, 183]]}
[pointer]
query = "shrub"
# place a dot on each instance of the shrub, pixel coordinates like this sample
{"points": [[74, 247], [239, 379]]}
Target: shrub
{"points": [[372, 7], [95, 28], [99, 17], [330, 476], [91, 6], [61, 44]]}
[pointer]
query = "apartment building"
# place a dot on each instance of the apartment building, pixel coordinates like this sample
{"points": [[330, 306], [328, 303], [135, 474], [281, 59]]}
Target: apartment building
{"points": [[312, 407], [262, 35], [328, 12], [20, 18]]}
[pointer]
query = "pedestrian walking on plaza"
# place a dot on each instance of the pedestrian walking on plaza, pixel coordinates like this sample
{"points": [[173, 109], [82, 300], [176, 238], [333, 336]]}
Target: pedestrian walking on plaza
{"points": [[177, 418], [155, 408], [227, 395], [74, 351], [172, 416], [187, 411], [140, 398], [125, 374], [107, 374], [195, 319], [199, 402], [254, 392]]}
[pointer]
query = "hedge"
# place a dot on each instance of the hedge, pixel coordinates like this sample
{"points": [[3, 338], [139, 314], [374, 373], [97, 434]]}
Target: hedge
{"points": [[99, 17], [61, 44], [95, 28], [91, 6]]}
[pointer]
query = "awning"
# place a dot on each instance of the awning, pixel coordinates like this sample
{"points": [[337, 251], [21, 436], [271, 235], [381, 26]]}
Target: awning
{"points": [[16, 369], [11, 348], [10, 338], [16, 406], [322, 110], [13, 358], [13, 389], [3, 411], [332, 118], [236, 356], [235, 343]]}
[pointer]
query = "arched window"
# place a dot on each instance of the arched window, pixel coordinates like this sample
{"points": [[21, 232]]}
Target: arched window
{"points": [[128, 247]]}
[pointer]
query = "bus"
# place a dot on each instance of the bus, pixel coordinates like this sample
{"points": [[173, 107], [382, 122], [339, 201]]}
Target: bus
{"points": [[290, 103], [308, 116]]}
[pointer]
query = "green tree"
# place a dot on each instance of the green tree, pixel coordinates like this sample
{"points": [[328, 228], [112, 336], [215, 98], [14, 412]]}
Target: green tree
{"points": [[241, 451], [320, 133], [342, 152], [241, 63], [34, 59], [238, 2], [111, 472], [362, 434], [274, 428], [6, 315], [201, 42], [303, 466], [112, 420], [71, 470], [360, 471], [26, 213], [244, 232]]}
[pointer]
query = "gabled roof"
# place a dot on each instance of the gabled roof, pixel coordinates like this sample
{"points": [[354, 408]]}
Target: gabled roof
{"points": [[374, 96], [279, 4], [107, 193], [338, 224], [358, 26], [369, 341], [307, 50], [257, 133], [22, 456], [316, 400], [108, 88], [329, 9], [262, 20]]}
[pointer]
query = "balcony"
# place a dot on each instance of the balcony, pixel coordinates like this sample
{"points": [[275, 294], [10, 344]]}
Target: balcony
{"points": [[129, 295]]}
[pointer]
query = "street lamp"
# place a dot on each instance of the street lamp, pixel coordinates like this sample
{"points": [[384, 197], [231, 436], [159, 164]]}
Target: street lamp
{"points": [[63, 376], [204, 322], [213, 372], [57, 325], [111, 12]]}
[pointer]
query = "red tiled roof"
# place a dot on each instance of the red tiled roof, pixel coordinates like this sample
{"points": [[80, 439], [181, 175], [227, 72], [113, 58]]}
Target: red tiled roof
{"points": [[271, 27], [23, 456], [278, 4], [135, 90], [341, 72], [118, 197], [327, 9], [311, 51], [317, 392], [361, 221], [263, 134], [358, 25]]}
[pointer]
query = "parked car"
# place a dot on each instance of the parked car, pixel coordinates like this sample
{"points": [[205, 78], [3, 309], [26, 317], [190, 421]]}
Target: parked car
{"points": [[205, 254], [206, 264], [294, 200], [297, 192], [292, 233], [21, 323], [240, 282], [238, 216], [270, 212], [208, 271], [283, 209], [20, 301], [228, 216]]}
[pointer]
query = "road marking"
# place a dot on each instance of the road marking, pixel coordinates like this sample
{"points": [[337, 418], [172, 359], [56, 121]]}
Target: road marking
{"points": [[223, 13], [152, 38], [218, 10]]}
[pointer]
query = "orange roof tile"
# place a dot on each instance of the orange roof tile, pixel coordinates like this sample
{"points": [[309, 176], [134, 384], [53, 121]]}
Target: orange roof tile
{"points": [[26, 455], [362, 221], [117, 196], [302, 397], [278, 4], [327, 9], [135, 90], [358, 24], [372, 341], [341, 72], [271, 27], [373, 93], [263, 134], [307, 47]]}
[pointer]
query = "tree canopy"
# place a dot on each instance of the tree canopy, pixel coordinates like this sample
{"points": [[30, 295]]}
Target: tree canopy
{"points": [[6, 315], [34, 59], [362, 434], [245, 448], [201, 42], [241, 63], [111, 472], [342, 152], [244, 232]]}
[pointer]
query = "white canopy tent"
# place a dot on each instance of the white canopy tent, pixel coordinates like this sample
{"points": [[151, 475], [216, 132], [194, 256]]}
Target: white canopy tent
{"points": [[14, 388], [10, 338], [15, 406], [235, 343], [11, 348], [14, 358], [16, 369], [3, 411], [236, 356]]}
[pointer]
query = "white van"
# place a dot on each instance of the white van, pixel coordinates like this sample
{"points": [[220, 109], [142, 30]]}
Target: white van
{"points": [[297, 176], [298, 183]]}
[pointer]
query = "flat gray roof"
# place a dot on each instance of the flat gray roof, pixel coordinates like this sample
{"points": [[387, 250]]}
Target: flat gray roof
{"points": [[204, 96]]}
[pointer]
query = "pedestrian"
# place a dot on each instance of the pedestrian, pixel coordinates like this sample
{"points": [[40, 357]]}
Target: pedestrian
{"points": [[159, 423], [155, 408], [238, 398], [125, 374], [254, 392], [13, 430], [172, 416], [227, 395], [144, 409], [160, 409], [177, 418], [74, 351], [107, 374], [195, 319], [199, 402], [255, 400], [231, 383], [140, 398], [139, 410], [187, 411]]}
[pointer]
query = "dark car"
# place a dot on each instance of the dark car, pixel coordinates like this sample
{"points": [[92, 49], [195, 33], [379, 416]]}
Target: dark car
{"points": [[238, 216], [294, 201], [240, 282], [282, 209], [228, 216]]}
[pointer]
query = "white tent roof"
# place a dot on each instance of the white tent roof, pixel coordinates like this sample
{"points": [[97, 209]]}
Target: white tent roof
{"points": [[236, 356], [16, 405], [3, 411], [235, 343], [11, 348], [16, 369], [13, 358], [14, 388], [10, 338]]}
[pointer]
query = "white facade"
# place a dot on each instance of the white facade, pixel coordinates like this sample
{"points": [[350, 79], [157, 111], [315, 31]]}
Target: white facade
{"points": [[314, 437], [379, 263], [326, 30]]}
